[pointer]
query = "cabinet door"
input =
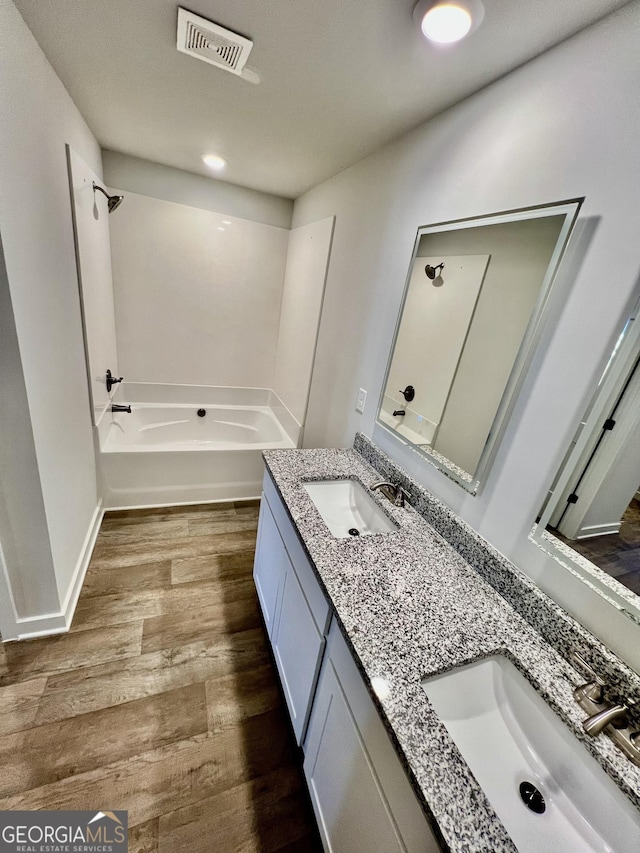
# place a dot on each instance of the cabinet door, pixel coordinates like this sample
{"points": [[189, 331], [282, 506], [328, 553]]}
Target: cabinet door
{"points": [[316, 601], [298, 647], [350, 806], [270, 566]]}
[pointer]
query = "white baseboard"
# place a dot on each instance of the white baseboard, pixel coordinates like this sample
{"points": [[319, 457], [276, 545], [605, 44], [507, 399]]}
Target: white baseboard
{"points": [[75, 587], [598, 530], [48, 624], [130, 508]]}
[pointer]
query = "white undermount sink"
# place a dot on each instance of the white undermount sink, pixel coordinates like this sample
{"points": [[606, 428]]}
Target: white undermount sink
{"points": [[346, 507], [507, 735]]}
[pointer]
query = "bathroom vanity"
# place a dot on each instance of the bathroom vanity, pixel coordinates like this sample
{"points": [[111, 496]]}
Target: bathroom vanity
{"points": [[360, 792], [359, 623]]}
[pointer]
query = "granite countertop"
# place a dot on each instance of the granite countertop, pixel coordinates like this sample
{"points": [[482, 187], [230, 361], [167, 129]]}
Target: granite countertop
{"points": [[410, 606]]}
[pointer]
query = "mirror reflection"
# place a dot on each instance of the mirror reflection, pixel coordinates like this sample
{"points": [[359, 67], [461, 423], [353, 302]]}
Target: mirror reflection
{"points": [[591, 519], [472, 310]]}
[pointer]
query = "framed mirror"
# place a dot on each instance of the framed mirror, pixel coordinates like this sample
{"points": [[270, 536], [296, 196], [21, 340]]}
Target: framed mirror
{"points": [[476, 298], [590, 522]]}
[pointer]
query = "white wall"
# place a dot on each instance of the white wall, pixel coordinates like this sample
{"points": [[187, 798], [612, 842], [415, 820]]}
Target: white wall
{"points": [[158, 181], [564, 125], [308, 253], [23, 523], [59, 501], [197, 293]]}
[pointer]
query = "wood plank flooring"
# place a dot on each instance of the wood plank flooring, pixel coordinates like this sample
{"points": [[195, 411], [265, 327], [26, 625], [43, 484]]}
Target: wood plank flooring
{"points": [[618, 554], [162, 699]]}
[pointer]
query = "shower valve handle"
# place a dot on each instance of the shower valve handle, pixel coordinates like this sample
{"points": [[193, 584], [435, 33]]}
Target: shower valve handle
{"points": [[111, 381], [409, 393]]}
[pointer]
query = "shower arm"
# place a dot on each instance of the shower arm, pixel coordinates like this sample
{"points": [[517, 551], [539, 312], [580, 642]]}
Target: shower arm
{"points": [[113, 201], [98, 187]]}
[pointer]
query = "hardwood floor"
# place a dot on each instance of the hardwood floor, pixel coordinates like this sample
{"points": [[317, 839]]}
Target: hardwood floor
{"points": [[617, 554], [162, 699]]}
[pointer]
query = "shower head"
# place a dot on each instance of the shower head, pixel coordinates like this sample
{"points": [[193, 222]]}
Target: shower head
{"points": [[113, 201], [432, 272]]}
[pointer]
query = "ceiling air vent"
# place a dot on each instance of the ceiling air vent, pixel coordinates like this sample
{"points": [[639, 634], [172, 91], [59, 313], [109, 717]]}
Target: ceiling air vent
{"points": [[212, 43]]}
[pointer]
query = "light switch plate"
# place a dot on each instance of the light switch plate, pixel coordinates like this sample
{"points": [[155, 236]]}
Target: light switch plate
{"points": [[362, 400]]}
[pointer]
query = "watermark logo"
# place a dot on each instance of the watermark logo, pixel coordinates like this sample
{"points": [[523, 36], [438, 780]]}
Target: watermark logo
{"points": [[63, 832]]}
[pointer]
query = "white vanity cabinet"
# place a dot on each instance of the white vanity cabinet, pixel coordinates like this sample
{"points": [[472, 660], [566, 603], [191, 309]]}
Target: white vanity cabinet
{"points": [[270, 566], [295, 610], [361, 796]]}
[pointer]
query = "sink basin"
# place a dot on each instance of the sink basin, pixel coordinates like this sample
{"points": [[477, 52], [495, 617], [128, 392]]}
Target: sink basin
{"points": [[345, 505], [508, 735]]}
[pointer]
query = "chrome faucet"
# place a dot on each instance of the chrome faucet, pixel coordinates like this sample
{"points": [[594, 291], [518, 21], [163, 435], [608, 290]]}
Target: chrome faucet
{"points": [[393, 492], [612, 719], [116, 407], [614, 714], [592, 691]]}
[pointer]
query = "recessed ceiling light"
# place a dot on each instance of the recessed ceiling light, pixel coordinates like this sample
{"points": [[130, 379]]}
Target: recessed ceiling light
{"points": [[446, 23], [214, 162], [226, 222]]}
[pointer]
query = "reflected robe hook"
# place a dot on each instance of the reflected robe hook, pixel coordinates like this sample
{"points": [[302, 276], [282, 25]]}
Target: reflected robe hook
{"points": [[432, 272]]}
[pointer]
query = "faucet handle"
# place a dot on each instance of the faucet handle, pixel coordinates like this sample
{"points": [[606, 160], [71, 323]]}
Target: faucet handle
{"points": [[616, 715], [402, 495], [111, 381], [594, 689], [578, 662]]}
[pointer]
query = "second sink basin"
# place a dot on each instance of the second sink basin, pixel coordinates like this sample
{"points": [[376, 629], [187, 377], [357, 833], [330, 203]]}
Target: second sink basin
{"points": [[508, 735], [346, 507]]}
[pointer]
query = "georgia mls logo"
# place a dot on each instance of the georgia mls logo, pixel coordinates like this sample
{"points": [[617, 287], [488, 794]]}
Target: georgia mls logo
{"points": [[63, 832]]}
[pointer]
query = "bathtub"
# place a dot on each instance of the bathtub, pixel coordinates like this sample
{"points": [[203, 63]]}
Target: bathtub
{"points": [[164, 452]]}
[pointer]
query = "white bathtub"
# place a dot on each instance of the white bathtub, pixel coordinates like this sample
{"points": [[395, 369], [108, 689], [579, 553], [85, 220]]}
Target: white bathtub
{"points": [[164, 453]]}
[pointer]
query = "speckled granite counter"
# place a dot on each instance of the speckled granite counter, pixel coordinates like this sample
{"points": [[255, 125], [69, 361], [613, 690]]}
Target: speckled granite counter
{"points": [[411, 606]]}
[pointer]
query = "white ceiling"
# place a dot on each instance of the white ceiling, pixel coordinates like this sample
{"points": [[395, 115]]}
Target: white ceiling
{"points": [[339, 78]]}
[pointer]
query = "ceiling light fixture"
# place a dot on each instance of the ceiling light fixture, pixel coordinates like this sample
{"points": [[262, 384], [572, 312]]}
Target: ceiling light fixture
{"points": [[445, 23], [214, 162]]}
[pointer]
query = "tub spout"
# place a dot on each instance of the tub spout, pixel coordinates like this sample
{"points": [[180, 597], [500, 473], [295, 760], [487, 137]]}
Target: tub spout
{"points": [[116, 407]]}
